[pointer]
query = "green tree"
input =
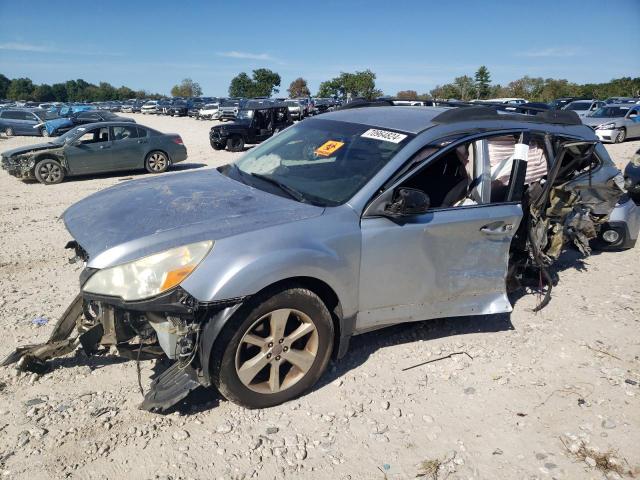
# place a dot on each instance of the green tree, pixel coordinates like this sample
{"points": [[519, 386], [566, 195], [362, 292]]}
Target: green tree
{"points": [[298, 88], [447, 91], [330, 89], [266, 82], [59, 92], [187, 88], [43, 93], [483, 80], [20, 89], [465, 86], [241, 86], [357, 84], [263, 83], [407, 95], [4, 86], [526, 87]]}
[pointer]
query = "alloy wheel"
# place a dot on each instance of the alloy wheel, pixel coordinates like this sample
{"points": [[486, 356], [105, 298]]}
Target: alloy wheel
{"points": [[157, 162], [622, 135], [50, 172], [277, 351]]}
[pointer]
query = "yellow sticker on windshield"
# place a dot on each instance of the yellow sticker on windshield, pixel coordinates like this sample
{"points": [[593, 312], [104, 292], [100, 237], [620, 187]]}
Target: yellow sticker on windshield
{"points": [[328, 148]]}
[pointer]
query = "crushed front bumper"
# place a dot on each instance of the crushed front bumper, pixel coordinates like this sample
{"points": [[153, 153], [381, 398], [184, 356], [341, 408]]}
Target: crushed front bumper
{"points": [[171, 325], [21, 167]]}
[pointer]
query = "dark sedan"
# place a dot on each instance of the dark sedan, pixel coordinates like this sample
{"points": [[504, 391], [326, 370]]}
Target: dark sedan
{"points": [[96, 148], [61, 125]]}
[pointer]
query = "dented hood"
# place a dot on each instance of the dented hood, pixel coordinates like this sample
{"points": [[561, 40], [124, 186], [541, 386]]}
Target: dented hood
{"points": [[141, 217], [29, 149]]}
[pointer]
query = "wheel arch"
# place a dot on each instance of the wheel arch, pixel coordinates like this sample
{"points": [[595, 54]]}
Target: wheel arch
{"points": [[343, 327]]}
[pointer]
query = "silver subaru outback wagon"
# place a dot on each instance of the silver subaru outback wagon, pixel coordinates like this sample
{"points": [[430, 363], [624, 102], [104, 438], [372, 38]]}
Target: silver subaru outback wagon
{"points": [[250, 277]]}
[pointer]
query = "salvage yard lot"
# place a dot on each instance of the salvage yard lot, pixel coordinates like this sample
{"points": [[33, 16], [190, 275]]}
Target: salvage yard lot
{"points": [[529, 386]]}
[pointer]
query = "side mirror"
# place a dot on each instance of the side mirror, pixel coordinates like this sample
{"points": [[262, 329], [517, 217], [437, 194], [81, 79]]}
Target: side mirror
{"points": [[408, 201]]}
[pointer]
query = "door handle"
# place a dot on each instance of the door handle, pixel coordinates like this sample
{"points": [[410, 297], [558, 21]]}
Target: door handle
{"points": [[142, 141], [102, 147], [497, 230]]}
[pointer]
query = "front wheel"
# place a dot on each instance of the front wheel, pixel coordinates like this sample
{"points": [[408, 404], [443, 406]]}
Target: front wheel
{"points": [[44, 132], [9, 132], [235, 143], [273, 349], [49, 172], [156, 162], [621, 136]]}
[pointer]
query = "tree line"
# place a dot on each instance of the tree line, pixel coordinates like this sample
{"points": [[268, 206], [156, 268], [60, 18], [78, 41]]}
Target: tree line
{"points": [[534, 89], [69, 91], [265, 83]]}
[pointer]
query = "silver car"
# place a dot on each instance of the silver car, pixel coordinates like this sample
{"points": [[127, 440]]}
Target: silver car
{"points": [[252, 276], [583, 107], [615, 122]]}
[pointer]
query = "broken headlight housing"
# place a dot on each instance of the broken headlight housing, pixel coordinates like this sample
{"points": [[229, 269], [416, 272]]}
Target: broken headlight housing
{"points": [[607, 126], [149, 276]]}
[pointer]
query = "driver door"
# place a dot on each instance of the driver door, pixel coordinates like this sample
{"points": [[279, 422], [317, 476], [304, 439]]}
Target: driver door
{"points": [[90, 152], [451, 260]]}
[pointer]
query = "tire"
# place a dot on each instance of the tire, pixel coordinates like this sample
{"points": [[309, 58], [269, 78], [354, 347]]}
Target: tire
{"points": [[9, 132], [217, 146], [44, 132], [235, 143], [290, 309], [156, 162], [49, 172], [621, 136]]}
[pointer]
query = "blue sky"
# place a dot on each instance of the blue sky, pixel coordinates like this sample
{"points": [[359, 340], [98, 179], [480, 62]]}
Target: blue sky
{"points": [[415, 45]]}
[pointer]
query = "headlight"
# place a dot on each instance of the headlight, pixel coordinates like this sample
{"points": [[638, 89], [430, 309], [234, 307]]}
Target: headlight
{"points": [[607, 126], [150, 275]]}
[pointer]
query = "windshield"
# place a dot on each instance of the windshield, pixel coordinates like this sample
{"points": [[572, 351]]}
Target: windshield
{"points": [[578, 106], [230, 103], [324, 161], [46, 115], [69, 135], [292, 103], [610, 112]]}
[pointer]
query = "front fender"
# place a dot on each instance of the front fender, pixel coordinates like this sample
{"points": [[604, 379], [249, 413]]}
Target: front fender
{"points": [[246, 275], [325, 248]]}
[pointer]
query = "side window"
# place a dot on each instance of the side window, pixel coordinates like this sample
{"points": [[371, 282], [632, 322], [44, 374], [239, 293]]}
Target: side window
{"points": [[124, 132], [449, 178], [477, 172], [142, 132], [95, 135], [501, 153]]}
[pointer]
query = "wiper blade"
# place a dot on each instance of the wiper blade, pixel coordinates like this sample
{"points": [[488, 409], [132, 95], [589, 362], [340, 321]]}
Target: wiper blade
{"points": [[292, 192]]}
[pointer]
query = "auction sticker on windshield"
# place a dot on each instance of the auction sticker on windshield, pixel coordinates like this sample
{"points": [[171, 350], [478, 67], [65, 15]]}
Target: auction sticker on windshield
{"points": [[384, 135], [328, 148]]}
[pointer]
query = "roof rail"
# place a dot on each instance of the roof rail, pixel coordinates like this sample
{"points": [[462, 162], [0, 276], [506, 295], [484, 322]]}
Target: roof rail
{"points": [[361, 102], [473, 111]]}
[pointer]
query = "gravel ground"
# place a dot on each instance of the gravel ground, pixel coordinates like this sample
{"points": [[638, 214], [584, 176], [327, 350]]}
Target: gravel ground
{"points": [[547, 395]]}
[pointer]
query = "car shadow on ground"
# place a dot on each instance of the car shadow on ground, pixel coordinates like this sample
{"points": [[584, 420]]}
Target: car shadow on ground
{"points": [[129, 175], [363, 346]]}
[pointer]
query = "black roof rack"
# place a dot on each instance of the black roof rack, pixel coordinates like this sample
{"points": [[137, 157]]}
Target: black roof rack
{"points": [[361, 102], [473, 111]]}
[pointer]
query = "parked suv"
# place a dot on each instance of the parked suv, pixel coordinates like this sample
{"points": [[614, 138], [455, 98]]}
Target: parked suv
{"points": [[229, 108], [250, 277], [255, 122], [296, 109]]}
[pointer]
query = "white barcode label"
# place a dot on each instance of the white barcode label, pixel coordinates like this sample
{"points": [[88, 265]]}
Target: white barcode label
{"points": [[384, 135]]}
